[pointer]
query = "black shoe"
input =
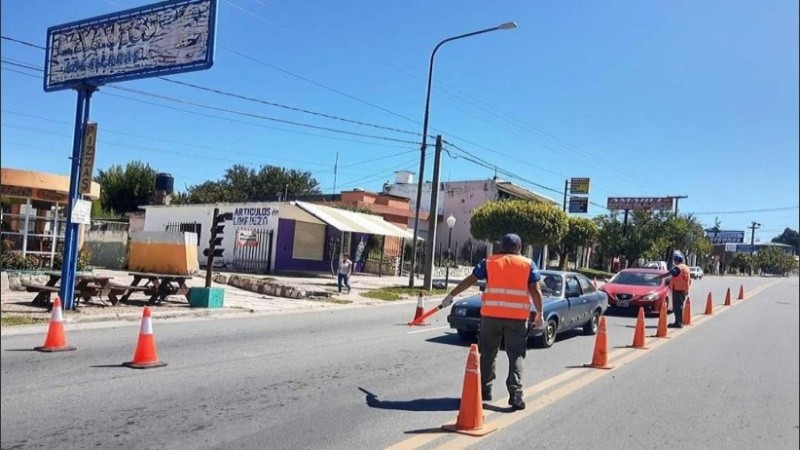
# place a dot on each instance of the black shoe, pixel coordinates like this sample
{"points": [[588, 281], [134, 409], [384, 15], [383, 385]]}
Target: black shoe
{"points": [[675, 325], [486, 394], [516, 402]]}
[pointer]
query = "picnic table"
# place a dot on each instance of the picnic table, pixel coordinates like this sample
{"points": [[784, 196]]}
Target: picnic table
{"points": [[156, 285], [86, 287]]}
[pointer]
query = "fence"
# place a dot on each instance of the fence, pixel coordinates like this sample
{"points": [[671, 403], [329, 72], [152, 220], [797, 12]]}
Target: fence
{"points": [[188, 227], [252, 254]]}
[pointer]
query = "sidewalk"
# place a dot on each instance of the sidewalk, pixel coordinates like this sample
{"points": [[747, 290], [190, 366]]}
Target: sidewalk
{"points": [[237, 301]]}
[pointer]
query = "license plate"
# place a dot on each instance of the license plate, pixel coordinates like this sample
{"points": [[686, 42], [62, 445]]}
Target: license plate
{"points": [[461, 311], [622, 304]]}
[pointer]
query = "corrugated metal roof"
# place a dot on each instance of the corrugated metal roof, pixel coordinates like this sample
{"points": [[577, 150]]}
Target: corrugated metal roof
{"points": [[354, 222]]}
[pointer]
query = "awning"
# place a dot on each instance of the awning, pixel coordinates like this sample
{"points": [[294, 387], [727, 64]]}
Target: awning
{"points": [[354, 222]]}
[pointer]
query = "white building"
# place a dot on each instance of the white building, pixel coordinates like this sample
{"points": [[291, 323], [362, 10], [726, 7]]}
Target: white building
{"points": [[458, 198]]}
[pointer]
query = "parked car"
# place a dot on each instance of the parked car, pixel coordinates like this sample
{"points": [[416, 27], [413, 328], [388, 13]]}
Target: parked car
{"points": [[632, 288], [570, 300], [662, 265], [696, 272]]}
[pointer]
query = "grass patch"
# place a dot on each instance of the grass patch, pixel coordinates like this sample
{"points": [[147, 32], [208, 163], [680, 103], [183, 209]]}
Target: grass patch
{"points": [[337, 301], [20, 320], [392, 293]]}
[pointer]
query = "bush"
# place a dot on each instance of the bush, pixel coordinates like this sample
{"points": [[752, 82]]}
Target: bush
{"points": [[592, 273], [13, 260]]}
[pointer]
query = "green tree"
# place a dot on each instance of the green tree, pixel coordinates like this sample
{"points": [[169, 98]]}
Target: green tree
{"points": [[789, 237], [244, 184], [124, 190], [773, 260], [535, 222], [740, 261], [580, 232]]}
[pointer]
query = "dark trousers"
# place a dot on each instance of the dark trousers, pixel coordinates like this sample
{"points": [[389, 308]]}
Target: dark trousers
{"points": [[343, 279], [678, 297], [515, 334]]}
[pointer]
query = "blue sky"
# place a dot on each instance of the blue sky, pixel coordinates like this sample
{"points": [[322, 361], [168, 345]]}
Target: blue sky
{"points": [[648, 98]]}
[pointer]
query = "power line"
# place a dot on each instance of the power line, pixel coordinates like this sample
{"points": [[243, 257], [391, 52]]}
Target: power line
{"points": [[782, 208], [29, 44]]}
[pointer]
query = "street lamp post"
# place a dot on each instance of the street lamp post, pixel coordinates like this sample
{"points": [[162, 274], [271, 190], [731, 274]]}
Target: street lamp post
{"points": [[451, 223], [424, 146]]}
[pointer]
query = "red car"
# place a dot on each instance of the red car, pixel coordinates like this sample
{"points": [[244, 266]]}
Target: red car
{"points": [[632, 288]]}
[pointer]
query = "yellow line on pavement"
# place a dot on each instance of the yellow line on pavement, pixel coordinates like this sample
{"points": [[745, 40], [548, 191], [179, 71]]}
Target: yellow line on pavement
{"points": [[617, 359]]}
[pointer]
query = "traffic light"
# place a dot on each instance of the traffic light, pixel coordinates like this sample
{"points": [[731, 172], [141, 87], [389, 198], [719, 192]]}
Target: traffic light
{"points": [[217, 228]]}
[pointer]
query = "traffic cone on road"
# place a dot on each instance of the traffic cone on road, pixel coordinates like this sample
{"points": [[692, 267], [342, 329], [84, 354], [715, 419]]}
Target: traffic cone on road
{"points": [[709, 305], [741, 293], [420, 309], [470, 412], [687, 311], [638, 335], [56, 340], [661, 330], [600, 356], [145, 356], [727, 297]]}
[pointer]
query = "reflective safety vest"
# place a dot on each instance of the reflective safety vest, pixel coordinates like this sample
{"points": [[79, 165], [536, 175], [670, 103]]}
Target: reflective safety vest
{"points": [[682, 281], [506, 295]]}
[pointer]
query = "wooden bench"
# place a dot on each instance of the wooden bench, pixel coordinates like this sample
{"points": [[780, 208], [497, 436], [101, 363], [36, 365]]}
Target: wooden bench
{"points": [[115, 290], [43, 292]]}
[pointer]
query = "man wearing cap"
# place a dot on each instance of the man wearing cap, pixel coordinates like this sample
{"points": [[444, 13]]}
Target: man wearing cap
{"points": [[681, 282], [512, 283]]}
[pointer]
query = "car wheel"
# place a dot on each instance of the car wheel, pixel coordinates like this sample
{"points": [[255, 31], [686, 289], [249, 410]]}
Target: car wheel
{"points": [[548, 337], [590, 328], [467, 335]]}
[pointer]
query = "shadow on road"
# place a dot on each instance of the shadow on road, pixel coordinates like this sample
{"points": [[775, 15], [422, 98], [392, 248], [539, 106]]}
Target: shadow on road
{"points": [[449, 339], [420, 404]]}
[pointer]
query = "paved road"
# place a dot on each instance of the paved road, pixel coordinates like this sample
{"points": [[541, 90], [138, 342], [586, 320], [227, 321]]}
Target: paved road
{"points": [[360, 378]]}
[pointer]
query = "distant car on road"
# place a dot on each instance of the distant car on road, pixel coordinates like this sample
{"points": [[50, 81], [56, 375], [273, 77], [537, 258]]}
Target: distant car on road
{"points": [[632, 288], [569, 299], [662, 265], [696, 272]]}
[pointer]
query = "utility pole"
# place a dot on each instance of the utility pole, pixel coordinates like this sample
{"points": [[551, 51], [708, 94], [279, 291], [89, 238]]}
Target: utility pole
{"points": [[433, 215], [677, 198], [753, 227], [566, 188], [335, 169]]}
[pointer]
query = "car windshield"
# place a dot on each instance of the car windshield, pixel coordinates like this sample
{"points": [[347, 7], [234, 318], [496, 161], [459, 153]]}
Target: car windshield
{"points": [[551, 285], [637, 279]]}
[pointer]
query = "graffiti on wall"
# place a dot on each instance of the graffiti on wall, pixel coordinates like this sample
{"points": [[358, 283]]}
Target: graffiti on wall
{"points": [[168, 37]]}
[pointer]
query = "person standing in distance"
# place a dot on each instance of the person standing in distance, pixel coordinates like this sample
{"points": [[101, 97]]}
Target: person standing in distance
{"points": [[344, 272], [681, 282], [512, 282]]}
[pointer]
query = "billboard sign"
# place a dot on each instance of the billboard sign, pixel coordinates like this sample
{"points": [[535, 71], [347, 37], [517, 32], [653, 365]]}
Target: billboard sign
{"points": [[154, 40], [725, 236], [640, 203], [579, 204], [579, 186], [87, 158]]}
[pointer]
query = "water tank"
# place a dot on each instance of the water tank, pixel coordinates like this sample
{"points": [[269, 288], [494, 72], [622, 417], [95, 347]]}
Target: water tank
{"points": [[164, 182], [403, 177]]}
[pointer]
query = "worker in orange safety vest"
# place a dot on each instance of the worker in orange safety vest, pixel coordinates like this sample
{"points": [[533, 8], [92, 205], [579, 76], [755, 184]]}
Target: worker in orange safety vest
{"points": [[512, 286], [681, 282]]}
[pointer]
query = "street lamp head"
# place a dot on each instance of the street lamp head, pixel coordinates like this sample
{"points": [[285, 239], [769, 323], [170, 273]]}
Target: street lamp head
{"points": [[508, 26], [451, 222]]}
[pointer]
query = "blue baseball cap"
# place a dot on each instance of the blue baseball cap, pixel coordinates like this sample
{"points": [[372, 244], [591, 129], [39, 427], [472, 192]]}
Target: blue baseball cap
{"points": [[511, 243]]}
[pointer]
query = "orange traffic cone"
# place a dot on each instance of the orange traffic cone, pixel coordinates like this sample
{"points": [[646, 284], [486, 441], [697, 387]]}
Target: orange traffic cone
{"points": [[638, 335], [56, 340], [145, 356], [419, 311], [661, 330], [470, 412], [600, 357], [728, 297], [687, 311], [709, 305], [741, 292]]}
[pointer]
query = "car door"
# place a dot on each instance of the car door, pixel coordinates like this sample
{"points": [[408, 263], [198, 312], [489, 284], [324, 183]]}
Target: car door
{"points": [[575, 300], [589, 298]]}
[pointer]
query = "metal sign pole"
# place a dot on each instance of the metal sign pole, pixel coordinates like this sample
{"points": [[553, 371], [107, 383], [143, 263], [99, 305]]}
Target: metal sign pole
{"points": [[70, 255]]}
